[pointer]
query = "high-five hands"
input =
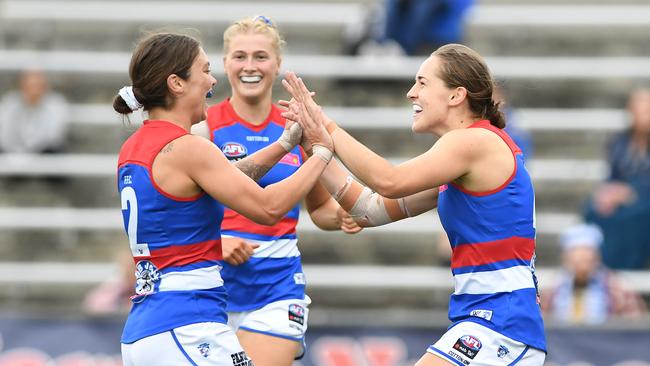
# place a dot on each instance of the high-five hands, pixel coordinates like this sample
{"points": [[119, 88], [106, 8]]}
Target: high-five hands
{"points": [[307, 113]]}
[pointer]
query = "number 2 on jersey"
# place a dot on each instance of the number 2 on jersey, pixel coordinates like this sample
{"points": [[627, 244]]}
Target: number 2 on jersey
{"points": [[130, 202]]}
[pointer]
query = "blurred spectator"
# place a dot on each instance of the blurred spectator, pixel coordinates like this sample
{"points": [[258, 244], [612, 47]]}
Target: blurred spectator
{"points": [[586, 291], [621, 205], [33, 119], [113, 296], [421, 26]]}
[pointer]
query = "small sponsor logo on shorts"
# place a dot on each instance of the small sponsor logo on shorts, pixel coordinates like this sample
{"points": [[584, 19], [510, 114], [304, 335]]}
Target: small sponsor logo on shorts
{"points": [[458, 357], [299, 278], [297, 314], [204, 348], [128, 179], [241, 359], [485, 314], [468, 345], [502, 351]]}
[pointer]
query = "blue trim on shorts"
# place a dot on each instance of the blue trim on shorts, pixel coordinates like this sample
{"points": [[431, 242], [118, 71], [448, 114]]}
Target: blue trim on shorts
{"points": [[303, 348], [272, 334], [446, 356], [520, 356], [181, 348]]}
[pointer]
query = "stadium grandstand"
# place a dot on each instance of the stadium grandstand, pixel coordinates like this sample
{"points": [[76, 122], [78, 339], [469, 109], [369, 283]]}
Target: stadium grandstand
{"points": [[568, 66]]}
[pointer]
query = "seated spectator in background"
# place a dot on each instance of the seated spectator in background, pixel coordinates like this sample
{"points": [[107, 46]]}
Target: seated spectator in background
{"points": [[586, 291], [33, 119], [621, 205], [421, 26]]}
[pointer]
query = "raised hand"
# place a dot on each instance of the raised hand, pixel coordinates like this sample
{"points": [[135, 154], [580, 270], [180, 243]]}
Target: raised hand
{"points": [[299, 92], [237, 251], [306, 112]]}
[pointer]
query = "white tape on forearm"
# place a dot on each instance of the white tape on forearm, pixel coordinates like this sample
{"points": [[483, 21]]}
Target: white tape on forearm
{"points": [[370, 208], [290, 137], [322, 152]]}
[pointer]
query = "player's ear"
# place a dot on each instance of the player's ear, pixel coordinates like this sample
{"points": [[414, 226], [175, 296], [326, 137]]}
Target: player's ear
{"points": [[175, 84], [457, 96]]}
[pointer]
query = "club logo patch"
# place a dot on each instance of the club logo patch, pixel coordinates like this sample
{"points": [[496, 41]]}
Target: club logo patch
{"points": [[468, 345], [297, 314], [234, 151], [146, 276], [502, 351], [204, 348]]}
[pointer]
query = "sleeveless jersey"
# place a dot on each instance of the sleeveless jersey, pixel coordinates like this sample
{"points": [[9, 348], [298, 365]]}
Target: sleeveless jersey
{"points": [[492, 235], [175, 241], [274, 272]]}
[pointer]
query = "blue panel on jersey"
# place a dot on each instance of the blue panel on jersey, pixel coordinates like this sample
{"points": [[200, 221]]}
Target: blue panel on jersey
{"points": [[167, 310], [261, 281], [514, 314]]}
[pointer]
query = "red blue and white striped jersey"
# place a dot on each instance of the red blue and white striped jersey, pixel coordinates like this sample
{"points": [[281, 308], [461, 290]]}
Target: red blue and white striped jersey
{"points": [[492, 235], [175, 241], [274, 272]]}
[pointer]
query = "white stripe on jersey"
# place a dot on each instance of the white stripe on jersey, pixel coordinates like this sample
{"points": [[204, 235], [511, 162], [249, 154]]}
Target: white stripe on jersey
{"points": [[489, 282], [196, 279], [280, 248]]}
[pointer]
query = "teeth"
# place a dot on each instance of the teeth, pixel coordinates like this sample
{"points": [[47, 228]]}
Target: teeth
{"points": [[251, 79], [417, 108]]}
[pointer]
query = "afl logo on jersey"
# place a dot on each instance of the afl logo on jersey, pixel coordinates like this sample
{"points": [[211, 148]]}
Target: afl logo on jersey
{"points": [[234, 150]]}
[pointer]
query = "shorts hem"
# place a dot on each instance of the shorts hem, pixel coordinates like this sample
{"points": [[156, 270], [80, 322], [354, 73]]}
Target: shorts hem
{"points": [[295, 339], [438, 353]]}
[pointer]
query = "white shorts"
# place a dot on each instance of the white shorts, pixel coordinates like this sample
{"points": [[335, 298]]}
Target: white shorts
{"points": [[470, 343], [209, 344], [285, 319]]}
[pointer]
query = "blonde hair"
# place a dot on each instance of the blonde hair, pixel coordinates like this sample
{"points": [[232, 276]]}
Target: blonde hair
{"points": [[254, 25]]}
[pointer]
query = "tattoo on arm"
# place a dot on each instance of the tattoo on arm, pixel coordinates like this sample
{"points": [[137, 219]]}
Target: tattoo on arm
{"points": [[167, 147], [254, 171]]}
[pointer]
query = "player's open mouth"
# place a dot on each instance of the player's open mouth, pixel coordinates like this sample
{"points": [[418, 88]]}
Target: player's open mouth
{"points": [[250, 79], [416, 109]]}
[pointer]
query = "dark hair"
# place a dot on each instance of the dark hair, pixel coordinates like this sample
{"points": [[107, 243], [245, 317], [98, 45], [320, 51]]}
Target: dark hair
{"points": [[155, 58], [464, 67]]}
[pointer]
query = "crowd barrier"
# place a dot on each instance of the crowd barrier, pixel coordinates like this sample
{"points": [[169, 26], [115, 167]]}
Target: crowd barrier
{"points": [[95, 342]]}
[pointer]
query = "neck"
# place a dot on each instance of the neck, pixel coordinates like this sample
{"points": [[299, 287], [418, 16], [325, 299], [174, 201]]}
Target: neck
{"points": [[458, 120], [175, 117], [253, 111]]}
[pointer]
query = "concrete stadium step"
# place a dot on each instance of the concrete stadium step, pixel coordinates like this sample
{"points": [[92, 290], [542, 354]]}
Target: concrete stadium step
{"points": [[325, 27], [96, 128], [372, 246], [350, 67], [63, 285], [88, 180], [97, 234], [564, 82]]}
